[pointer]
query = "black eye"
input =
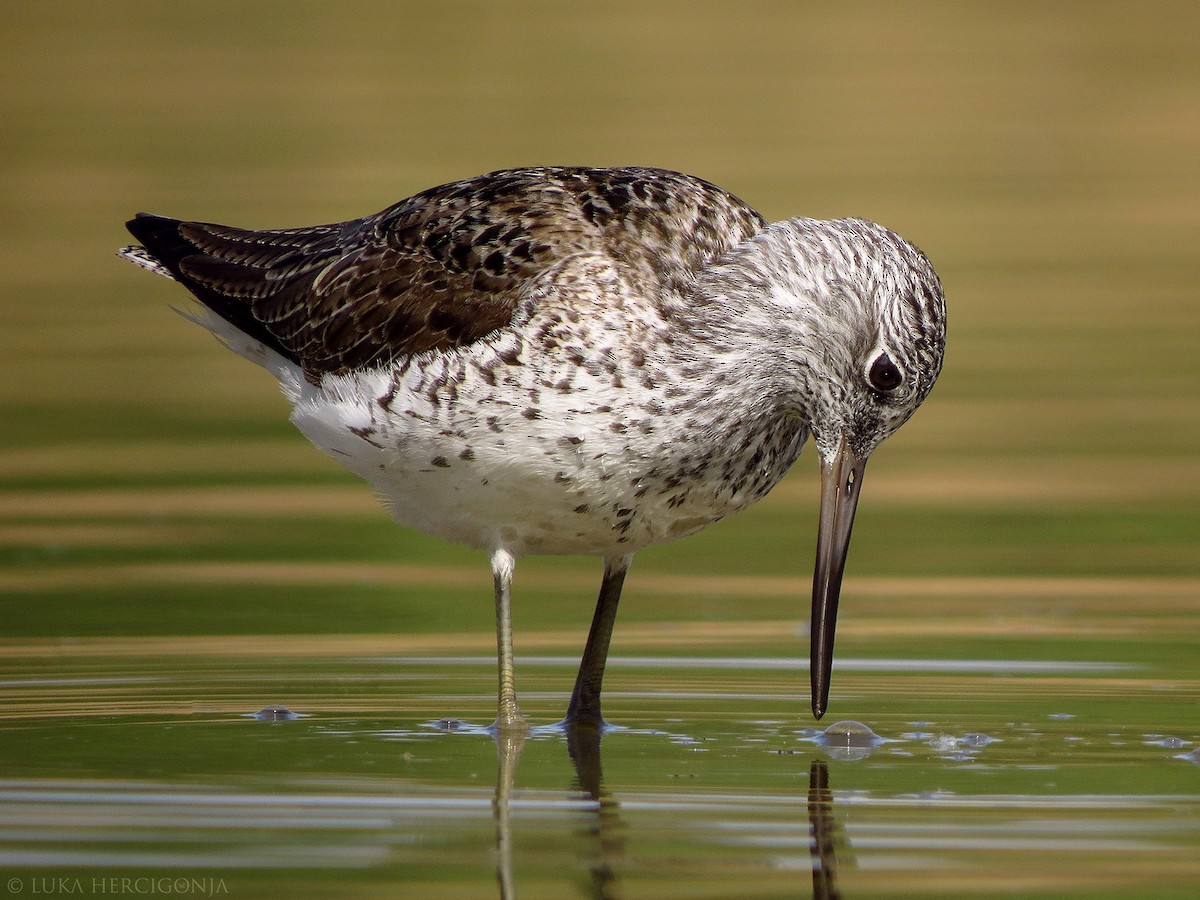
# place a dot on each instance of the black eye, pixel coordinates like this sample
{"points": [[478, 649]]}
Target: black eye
{"points": [[884, 376]]}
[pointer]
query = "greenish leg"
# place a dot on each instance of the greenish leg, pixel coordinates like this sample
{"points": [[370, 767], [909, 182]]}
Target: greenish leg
{"points": [[508, 713]]}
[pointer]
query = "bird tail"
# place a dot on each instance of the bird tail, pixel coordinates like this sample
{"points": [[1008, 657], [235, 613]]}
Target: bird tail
{"points": [[140, 256], [190, 252], [175, 249]]}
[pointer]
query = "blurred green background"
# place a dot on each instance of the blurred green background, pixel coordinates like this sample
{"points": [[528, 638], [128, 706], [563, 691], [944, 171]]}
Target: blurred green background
{"points": [[1046, 156]]}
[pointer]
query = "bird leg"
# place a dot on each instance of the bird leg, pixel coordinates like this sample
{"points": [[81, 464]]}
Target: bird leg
{"points": [[584, 708], [508, 713]]}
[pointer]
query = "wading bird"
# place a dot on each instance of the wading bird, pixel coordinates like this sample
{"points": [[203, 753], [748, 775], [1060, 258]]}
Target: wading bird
{"points": [[579, 361]]}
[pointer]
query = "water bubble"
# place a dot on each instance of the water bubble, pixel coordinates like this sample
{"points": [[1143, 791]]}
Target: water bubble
{"points": [[274, 714], [849, 733], [1171, 743], [848, 740]]}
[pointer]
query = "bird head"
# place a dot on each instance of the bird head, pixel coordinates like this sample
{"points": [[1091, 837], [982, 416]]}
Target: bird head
{"points": [[857, 316], [871, 362]]}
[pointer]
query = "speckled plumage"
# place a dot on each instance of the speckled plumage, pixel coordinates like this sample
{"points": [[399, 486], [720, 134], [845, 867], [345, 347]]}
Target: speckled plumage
{"points": [[570, 360]]}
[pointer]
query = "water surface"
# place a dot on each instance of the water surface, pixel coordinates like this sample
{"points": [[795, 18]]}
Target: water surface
{"points": [[364, 774]]}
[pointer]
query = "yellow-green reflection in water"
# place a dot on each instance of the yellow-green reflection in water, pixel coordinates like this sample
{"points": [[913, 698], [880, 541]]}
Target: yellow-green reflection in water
{"points": [[1020, 619]]}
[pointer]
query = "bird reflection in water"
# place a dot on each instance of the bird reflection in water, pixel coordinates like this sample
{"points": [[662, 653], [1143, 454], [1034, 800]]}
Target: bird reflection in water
{"points": [[509, 744], [823, 834], [603, 831]]}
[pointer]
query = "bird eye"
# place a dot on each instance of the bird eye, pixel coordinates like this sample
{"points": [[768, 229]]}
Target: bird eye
{"points": [[883, 374]]}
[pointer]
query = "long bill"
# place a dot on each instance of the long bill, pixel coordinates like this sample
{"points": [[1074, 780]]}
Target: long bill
{"points": [[841, 481]]}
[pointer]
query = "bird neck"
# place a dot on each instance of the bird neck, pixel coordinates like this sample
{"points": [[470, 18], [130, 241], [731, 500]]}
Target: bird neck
{"points": [[757, 340]]}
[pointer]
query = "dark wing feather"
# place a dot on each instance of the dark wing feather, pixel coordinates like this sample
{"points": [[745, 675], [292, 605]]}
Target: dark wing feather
{"points": [[445, 267]]}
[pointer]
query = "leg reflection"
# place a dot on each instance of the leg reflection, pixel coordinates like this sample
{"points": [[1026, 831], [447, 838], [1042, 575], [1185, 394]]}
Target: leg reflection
{"points": [[604, 833], [509, 743]]}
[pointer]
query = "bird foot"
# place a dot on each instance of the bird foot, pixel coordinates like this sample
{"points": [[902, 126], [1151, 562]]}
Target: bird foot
{"points": [[584, 721], [510, 721]]}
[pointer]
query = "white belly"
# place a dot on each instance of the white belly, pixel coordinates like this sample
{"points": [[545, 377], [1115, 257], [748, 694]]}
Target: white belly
{"points": [[494, 455]]}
